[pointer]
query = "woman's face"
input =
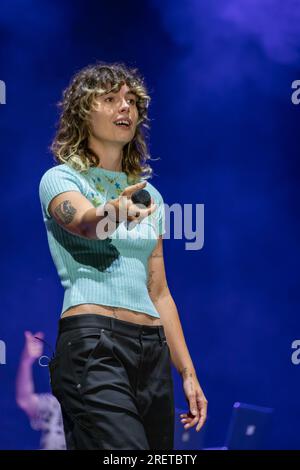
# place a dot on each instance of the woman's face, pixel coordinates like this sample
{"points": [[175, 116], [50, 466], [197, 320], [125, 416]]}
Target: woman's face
{"points": [[112, 107]]}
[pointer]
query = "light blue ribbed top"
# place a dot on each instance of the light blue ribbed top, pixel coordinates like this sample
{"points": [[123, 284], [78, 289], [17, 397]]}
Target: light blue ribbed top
{"points": [[113, 271]]}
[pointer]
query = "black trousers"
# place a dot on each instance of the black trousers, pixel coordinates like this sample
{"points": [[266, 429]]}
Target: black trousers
{"points": [[113, 380]]}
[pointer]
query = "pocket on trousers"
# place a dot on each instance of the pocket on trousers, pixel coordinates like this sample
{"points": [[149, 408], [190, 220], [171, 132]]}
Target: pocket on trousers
{"points": [[81, 350], [59, 362]]}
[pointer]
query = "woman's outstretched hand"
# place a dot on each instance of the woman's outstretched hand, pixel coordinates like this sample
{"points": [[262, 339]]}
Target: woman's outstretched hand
{"points": [[122, 208]]}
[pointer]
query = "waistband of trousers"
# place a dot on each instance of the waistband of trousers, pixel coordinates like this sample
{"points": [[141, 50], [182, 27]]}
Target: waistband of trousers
{"points": [[95, 320]]}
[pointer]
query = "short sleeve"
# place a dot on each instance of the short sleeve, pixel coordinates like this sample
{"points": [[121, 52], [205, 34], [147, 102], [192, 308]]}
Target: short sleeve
{"points": [[57, 180], [158, 217], [161, 218]]}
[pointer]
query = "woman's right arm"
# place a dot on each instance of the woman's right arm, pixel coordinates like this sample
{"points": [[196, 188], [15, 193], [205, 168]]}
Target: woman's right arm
{"points": [[77, 215]]}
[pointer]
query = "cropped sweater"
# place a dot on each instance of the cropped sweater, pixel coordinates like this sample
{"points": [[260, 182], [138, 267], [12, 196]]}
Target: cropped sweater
{"points": [[111, 271]]}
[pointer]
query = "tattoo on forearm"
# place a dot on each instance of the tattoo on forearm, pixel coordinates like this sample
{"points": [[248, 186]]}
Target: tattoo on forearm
{"points": [[186, 373], [65, 212]]}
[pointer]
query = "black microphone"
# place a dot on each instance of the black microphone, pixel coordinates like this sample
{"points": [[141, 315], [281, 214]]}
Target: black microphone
{"points": [[142, 196]]}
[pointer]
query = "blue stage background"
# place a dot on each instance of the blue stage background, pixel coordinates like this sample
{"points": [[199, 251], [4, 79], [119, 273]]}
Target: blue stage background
{"points": [[226, 132]]}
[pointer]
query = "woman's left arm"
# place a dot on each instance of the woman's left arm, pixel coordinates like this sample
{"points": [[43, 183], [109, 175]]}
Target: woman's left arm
{"points": [[162, 299]]}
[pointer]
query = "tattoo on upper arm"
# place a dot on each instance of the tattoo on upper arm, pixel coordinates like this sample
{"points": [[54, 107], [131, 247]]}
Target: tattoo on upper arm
{"points": [[65, 212], [150, 280], [156, 254]]}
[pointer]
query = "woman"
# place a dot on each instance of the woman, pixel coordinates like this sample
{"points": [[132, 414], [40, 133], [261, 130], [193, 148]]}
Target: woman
{"points": [[119, 326]]}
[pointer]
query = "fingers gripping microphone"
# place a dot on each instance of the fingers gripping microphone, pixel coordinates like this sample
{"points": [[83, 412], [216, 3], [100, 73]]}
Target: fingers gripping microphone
{"points": [[142, 199]]}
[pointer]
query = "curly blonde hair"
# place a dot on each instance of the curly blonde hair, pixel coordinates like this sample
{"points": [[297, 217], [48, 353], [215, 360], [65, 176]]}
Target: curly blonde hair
{"points": [[70, 144]]}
